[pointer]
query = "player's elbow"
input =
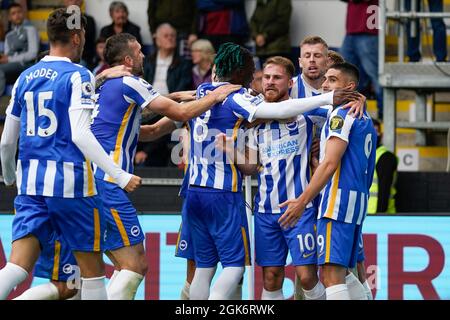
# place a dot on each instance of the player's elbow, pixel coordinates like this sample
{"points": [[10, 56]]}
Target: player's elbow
{"points": [[330, 165]]}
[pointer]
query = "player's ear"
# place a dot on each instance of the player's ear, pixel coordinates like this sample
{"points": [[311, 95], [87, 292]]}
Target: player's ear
{"points": [[291, 83]]}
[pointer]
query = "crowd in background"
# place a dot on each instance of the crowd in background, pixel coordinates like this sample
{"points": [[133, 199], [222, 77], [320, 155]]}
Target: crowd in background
{"points": [[187, 33]]}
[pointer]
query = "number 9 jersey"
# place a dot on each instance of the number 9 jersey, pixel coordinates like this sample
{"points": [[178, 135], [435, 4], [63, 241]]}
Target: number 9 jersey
{"points": [[49, 163]]}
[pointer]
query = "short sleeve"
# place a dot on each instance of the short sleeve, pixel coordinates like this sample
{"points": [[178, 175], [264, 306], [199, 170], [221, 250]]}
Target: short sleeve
{"points": [[83, 90], [244, 105], [138, 91], [14, 108], [340, 124]]}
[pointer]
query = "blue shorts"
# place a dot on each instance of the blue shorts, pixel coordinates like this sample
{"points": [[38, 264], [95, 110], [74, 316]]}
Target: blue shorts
{"points": [[77, 221], [122, 224], [338, 242], [184, 248], [56, 261], [218, 227], [361, 255], [272, 242]]}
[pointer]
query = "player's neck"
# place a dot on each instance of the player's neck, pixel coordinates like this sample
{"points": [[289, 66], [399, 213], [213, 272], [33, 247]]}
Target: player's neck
{"points": [[61, 52], [314, 83]]}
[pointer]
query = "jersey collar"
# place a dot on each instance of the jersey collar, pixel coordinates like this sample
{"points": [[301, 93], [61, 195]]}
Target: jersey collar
{"points": [[55, 58]]}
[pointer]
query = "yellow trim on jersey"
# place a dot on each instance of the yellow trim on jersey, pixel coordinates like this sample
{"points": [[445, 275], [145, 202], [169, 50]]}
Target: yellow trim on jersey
{"points": [[188, 147], [328, 246], [96, 230], [178, 238], [55, 274], [244, 238], [333, 192], [120, 136], [233, 167], [123, 233], [90, 179]]}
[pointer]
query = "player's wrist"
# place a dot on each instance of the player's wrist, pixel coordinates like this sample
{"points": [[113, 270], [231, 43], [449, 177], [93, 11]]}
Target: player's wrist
{"points": [[123, 179]]}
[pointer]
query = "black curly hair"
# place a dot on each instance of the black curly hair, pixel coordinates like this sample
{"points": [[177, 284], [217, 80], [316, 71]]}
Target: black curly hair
{"points": [[235, 64]]}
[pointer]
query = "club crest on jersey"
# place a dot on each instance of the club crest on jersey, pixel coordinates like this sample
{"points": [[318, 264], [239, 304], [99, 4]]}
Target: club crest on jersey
{"points": [[87, 88], [291, 126], [144, 83], [336, 123], [183, 245]]}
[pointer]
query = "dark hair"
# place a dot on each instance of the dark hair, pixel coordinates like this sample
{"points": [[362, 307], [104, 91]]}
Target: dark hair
{"points": [[376, 123], [348, 69], [100, 40], [117, 47], [117, 4], [282, 61], [58, 26], [230, 58], [14, 5], [335, 57]]}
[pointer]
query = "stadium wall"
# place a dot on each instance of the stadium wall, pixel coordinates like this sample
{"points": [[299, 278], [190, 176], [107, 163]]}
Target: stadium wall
{"points": [[406, 258]]}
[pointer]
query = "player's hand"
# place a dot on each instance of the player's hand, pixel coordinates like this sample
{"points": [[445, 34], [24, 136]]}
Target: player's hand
{"points": [[224, 144], [222, 92], [134, 183], [140, 157], [116, 72], [293, 213], [357, 107], [341, 96]]}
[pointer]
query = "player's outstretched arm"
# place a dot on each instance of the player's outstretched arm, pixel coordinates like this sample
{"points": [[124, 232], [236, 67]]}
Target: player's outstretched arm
{"points": [[151, 132], [293, 107], [192, 109], [8, 147], [334, 151]]}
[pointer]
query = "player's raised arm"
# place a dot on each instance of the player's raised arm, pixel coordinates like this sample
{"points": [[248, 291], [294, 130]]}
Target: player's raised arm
{"points": [[293, 107], [189, 110], [80, 118], [10, 137]]}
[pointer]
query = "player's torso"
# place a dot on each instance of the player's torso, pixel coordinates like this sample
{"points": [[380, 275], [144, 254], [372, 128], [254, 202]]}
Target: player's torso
{"points": [[115, 124]]}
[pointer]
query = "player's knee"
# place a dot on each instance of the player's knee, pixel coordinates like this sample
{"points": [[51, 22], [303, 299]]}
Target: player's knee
{"points": [[273, 279], [308, 280], [63, 291]]}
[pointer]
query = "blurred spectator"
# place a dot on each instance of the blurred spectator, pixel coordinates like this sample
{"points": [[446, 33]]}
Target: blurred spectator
{"points": [[360, 46], [202, 52], [167, 72], [181, 14], [270, 28], [101, 63], [120, 23], [439, 32], [89, 47], [382, 191], [223, 21], [21, 47]]}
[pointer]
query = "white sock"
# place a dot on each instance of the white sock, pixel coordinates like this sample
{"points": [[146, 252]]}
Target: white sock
{"points": [[125, 285], [355, 288], [367, 290], [272, 295], [237, 294], [316, 293], [10, 276], [47, 291], [199, 289], [111, 280], [185, 291], [77, 296], [337, 292], [226, 283], [93, 289]]}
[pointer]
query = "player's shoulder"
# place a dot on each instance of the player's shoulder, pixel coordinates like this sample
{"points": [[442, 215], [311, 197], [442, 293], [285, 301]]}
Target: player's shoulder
{"points": [[243, 97]]}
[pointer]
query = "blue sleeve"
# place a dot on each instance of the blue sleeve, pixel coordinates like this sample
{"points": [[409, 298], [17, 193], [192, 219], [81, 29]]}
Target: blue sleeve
{"points": [[138, 91], [244, 105]]}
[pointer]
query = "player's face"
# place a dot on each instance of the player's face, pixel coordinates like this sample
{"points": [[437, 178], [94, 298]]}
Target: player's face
{"points": [[256, 84], [275, 83], [137, 68], [335, 79], [313, 60], [16, 15]]}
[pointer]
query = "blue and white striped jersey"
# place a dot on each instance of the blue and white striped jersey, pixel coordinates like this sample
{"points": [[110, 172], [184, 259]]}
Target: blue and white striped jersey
{"points": [[345, 196], [284, 152], [301, 89], [208, 166], [49, 163], [117, 118]]}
